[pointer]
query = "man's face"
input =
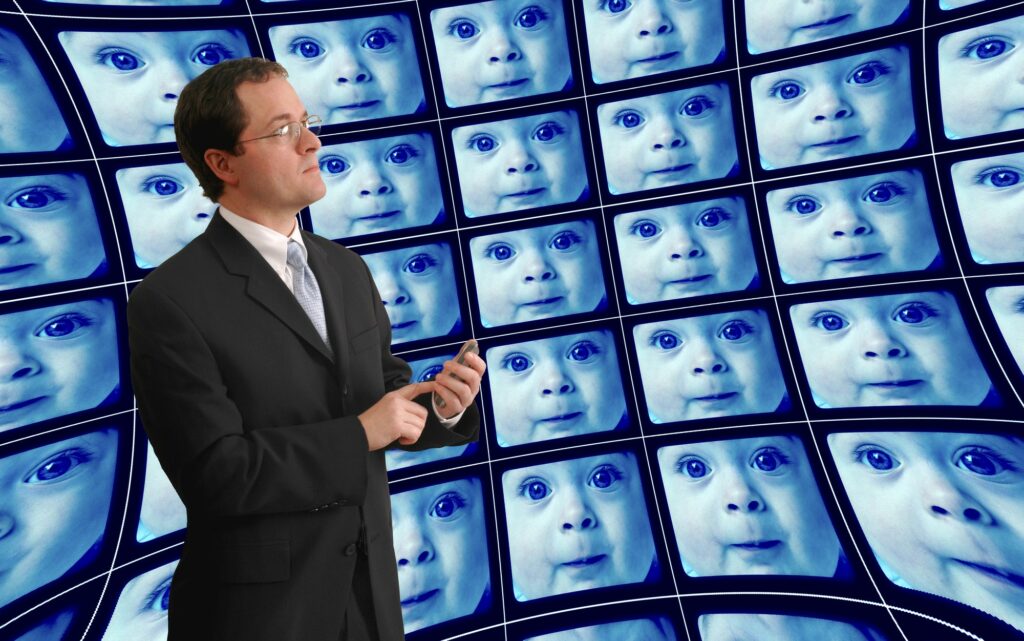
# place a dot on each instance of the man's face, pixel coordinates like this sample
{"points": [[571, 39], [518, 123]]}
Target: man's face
{"points": [[280, 173]]}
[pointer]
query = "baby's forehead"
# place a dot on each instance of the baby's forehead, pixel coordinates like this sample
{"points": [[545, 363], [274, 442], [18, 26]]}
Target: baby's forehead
{"points": [[659, 102]]}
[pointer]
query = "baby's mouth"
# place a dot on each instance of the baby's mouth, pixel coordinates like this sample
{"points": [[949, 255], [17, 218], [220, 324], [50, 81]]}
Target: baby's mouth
{"points": [[701, 278], [14, 269], [13, 407], [358, 106], [758, 546], [398, 327], [384, 215], [526, 194], [859, 259], [825, 24], [654, 61], [721, 397], [562, 418], [835, 144], [585, 561], [509, 84], [1012, 578], [544, 302], [422, 597], [672, 172]]}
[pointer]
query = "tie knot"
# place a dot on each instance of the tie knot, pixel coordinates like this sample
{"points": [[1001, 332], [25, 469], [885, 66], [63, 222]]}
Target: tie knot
{"points": [[295, 256]]}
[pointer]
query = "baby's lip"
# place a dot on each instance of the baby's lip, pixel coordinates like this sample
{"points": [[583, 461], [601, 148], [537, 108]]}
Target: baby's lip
{"points": [[18, 405], [585, 562], [526, 194], [699, 279], [758, 545], [658, 60], [391, 213], [827, 23], [544, 302], [834, 145], [718, 397], [14, 269], [561, 419], [417, 599], [999, 574], [358, 106], [897, 387], [402, 325], [858, 260], [672, 171], [509, 84]]}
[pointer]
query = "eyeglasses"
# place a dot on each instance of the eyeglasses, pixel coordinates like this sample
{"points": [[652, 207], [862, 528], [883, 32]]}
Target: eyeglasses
{"points": [[292, 130]]}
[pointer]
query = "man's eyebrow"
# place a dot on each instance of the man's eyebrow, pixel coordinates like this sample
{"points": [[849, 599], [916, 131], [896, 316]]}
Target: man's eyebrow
{"points": [[286, 117]]}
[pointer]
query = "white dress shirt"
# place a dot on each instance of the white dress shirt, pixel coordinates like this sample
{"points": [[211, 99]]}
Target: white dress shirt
{"points": [[273, 247]]}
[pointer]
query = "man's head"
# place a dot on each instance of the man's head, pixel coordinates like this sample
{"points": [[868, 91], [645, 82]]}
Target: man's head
{"points": [[210, 114]]}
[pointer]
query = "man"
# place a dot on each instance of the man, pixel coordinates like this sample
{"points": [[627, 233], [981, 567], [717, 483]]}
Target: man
{"points": [[268, 414]]}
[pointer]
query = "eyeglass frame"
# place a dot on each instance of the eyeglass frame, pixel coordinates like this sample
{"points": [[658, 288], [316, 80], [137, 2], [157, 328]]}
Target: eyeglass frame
{"points": [[311, 123]]}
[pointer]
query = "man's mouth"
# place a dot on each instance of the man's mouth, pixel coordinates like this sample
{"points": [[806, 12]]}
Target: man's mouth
{"points": [[422, 597], [1002, 575], [585, 561]]}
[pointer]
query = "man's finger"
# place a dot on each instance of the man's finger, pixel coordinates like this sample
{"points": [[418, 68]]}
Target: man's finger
{"points": [[411, 391]]}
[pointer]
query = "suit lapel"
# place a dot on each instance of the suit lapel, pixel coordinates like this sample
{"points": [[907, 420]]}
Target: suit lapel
{"points": [[333, 293], [264, 286]]}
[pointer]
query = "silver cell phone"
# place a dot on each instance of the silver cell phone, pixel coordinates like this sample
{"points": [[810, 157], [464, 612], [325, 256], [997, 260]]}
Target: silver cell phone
{"points": [[460, 358]]}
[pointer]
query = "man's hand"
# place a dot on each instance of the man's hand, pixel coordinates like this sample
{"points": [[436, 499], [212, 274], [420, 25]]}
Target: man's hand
{"points": [[396, 416], [458, 384]]}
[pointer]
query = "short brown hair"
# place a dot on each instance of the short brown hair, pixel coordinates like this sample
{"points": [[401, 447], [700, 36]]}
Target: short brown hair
{"points": [[209, 114]]}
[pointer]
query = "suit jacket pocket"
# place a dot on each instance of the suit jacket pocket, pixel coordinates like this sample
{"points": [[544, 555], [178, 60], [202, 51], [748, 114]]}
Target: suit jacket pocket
{"points": [[365, 339], [255, 563]]}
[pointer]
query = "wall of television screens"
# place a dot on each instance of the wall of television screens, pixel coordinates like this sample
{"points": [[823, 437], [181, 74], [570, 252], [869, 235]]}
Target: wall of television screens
{"points": [[747, 277]]}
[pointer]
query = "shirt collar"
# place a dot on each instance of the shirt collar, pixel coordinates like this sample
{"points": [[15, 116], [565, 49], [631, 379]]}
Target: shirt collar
{"points": [[271, 245]]}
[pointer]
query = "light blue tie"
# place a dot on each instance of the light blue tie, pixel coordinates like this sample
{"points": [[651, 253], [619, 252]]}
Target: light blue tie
{"points": [[306, 290]]}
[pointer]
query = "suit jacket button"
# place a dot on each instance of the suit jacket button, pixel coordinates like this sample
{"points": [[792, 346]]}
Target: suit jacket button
{"points": [[344, 390], [350, 549]]}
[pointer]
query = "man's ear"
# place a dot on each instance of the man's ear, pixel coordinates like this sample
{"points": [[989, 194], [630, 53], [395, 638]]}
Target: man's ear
{"points": [[222, 164]]}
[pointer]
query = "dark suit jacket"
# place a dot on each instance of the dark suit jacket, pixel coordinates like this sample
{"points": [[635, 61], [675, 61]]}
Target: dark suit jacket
{"points": [[256, 427]]}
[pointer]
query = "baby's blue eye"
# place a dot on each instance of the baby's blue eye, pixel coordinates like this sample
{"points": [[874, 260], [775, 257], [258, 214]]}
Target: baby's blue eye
{"points": [[616, 6], [430, 373], [419, 263], [628, 118], [884, 192], [211, 54], [829, 321], [803, 205], [160, 598], [786, 90], [665, 340], [307, 48], [565, 240], [463, 29], [876, 458], [483, 143], [162, 186], [713, 217], [333, 165], [734, 330], [605, 476], [548, 131], [987, 48], [693, 467], [517, 362], [500, 251], [583, 351], [535, 489], [769, 459], [63, 326], [59, 465], [645, 228], [121, 59], [868, 73], [35, 197], [696, 106], [379, 39], [999, 177], [402, 154], [915, 313], [447, 505], [983, 461], [530, 17]]}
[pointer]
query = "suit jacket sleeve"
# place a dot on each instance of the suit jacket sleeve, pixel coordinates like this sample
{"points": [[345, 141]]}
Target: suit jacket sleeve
{"points": [[218, 467]]}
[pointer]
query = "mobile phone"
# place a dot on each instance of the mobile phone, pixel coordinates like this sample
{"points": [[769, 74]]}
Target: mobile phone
{"points": [[469, 346]]}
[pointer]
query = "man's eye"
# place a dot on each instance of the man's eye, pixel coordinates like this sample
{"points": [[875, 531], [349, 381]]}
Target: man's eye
{"points": [[884, 192], [876, 458], [628, 119], [517, 362], [693, 467], [379, 39], [999, 177], [530, 18], [59, 465], [564, 241], [665, 340], [419, 263], [333, 165], [645, 229], [696, 106], [548, 131], [915, 313], [829, 321], [500, 252], [36, 197], [63, 326], [583, 351], [483, 143], [430, 373], [402, 154], [786, 90], [307, 48], [714, 217], [615, 6], [868, 73], [162, 186], [211, 54], [987, 48], [121, 59], [735, 330], [463, 29], [803, 205], [446, 505]]}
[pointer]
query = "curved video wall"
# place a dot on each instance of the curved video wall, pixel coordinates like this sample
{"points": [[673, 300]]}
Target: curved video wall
{"points": [[747, 277]]}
